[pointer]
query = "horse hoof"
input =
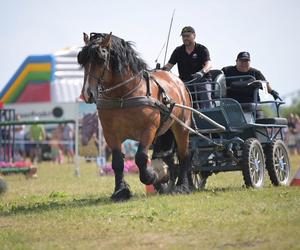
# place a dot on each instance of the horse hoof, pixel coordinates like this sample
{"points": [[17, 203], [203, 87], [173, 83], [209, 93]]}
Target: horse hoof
{"points": [[181, 189], [162, 188], [149, 177], [122, 194], [161, 169]]}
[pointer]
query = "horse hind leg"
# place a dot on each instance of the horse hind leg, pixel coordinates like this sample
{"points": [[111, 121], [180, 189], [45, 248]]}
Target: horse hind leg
{"points": [[182, 140], [122, 191], [166, 183]]}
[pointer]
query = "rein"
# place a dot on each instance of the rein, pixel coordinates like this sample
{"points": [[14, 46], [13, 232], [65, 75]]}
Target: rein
{"points": [[103, 91]]}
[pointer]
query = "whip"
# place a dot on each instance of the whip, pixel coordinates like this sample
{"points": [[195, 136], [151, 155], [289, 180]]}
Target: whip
{"points": [[169, 36], [167, 42]]}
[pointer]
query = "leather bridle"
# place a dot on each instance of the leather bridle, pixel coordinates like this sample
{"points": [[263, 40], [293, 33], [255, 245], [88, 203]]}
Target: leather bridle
{"points": [[101, 90]]}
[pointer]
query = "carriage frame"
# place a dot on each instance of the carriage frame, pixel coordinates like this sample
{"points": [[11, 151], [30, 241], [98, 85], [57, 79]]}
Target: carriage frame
{"points": [[230, 136]]}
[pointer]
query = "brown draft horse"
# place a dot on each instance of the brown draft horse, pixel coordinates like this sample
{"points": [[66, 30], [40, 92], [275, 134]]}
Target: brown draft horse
{"points": [[114, 80]]}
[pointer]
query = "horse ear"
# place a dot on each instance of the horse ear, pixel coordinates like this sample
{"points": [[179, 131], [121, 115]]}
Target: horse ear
{"points": [[106, 41], [85, 38]]}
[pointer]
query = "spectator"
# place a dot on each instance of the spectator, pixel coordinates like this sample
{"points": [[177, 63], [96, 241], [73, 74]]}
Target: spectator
{"points": [[19, 140], [291, 134], [297, 133], [56, 153], [5, 147], [68, 148], [57, 146], [37, 136], [130, 147]]}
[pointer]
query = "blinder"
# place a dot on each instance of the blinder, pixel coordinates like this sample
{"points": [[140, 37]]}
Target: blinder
{"points": [[103, 60]]}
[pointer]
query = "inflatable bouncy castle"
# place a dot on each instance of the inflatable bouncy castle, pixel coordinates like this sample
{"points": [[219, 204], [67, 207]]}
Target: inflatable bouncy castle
{"points": [[53, 78]]}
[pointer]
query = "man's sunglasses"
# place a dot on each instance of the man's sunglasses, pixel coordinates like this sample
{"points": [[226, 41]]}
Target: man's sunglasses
{"points": [[186, 35]]}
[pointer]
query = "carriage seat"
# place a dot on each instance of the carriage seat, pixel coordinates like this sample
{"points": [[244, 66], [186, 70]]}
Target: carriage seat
{"points": [[246, 87], [274, 120], [220, 83], [249, 109]]}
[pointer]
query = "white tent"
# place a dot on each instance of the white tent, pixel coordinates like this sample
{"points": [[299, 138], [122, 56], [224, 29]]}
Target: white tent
{"points": [[68, 76]]}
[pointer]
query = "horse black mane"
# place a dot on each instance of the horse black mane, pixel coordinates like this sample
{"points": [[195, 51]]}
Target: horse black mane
{"points": [[122, 54]]}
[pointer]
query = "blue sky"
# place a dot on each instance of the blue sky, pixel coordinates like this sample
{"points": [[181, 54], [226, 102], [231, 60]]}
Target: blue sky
{"points": [[269, 30]]}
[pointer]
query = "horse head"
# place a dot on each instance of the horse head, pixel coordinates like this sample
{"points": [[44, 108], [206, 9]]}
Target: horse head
{"points": [[107, 60], [89, 127], [95, 59]]}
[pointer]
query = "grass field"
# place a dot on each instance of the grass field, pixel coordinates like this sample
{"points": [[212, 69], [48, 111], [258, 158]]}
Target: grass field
{"points": [[60, 211]]}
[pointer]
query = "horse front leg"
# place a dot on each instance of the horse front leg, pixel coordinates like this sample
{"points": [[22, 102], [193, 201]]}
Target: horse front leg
{"points": [[147, 175], [122, 191]]}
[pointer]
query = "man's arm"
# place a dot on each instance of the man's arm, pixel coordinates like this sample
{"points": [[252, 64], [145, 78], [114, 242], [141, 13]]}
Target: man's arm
{"points": [[269, 88], [167, 67], [271, 91], [207, 66], [173, 60]]}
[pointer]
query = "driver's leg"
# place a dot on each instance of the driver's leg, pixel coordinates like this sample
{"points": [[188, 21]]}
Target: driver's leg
{"points": [[204, 93]]}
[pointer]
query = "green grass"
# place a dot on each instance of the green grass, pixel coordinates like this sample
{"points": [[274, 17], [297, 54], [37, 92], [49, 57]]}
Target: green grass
{"points": [[60, 211]]}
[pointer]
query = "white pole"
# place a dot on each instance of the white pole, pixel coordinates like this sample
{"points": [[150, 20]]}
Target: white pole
{"points": [[76, 162]]}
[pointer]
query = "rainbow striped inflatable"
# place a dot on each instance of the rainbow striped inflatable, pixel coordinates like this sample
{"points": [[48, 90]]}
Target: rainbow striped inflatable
{"points": [[53, 78], [31, 82]]}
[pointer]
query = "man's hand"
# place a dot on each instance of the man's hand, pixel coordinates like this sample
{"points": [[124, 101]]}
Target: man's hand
{"points": [[167, 67], [275, 94], [198, 75]]}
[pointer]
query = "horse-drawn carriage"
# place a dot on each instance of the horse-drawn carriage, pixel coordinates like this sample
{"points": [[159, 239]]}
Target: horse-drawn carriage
{"points": [[241, 140], [135, 103]]}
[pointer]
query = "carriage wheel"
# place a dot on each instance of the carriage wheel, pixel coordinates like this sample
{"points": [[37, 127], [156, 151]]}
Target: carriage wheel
{"points": [[278, 163], [199, 179], [253, 163]]}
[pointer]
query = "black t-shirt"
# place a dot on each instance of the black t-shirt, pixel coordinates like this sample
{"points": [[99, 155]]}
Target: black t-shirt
{"points": [[241, 96], [190, 63]]}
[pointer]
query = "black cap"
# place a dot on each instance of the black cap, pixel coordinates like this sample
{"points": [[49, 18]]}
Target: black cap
{"points": [[244, 55], [187, 29]]}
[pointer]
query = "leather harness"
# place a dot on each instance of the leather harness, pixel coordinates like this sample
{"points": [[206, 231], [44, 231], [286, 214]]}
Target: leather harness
{"points": [[165, 106]]}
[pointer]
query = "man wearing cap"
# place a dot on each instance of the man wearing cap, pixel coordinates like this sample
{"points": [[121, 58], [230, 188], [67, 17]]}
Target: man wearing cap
{"points": [[242, 68], [193, 62]]}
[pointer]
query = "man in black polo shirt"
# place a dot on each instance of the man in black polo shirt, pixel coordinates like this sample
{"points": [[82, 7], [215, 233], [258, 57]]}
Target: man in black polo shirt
{"points": [[242, 68], [193, 61]]}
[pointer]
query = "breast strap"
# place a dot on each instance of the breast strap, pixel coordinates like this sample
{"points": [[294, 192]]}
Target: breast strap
{"points": [[137, 101], [130, 102], [165, 106]]}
